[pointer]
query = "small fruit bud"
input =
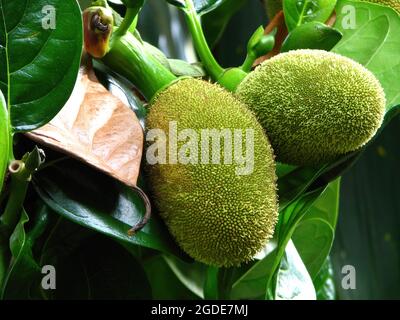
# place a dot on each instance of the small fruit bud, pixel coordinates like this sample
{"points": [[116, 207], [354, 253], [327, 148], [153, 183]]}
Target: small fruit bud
{"points": [[98, 25], [264, 45]]}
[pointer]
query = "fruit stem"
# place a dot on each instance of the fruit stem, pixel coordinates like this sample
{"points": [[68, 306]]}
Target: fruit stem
{"points": [[248, 62], [130, 16], [200, 42], [21, 174], [129, 58]]}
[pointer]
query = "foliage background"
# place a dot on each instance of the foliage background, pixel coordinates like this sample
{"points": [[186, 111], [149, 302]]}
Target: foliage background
{"points": [[109, 264]]}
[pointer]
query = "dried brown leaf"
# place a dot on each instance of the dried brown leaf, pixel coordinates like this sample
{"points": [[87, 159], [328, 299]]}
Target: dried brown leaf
{"points": [[97, 128]]}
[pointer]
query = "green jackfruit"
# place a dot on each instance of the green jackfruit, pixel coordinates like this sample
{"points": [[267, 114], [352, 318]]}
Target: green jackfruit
{"points": [[395, 4], [314, 105], [217, 216]]}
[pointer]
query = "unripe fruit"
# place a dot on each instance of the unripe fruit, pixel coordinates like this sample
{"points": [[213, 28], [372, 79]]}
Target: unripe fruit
{"points": [[217, 216], [314, 105]]}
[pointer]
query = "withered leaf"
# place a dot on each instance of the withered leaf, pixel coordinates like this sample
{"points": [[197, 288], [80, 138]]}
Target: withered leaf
{"points": [[97, 128]]}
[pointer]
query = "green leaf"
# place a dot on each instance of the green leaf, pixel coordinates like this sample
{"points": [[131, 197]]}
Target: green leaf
{"points": [[302, 11], [292, 184], [183, 68], [314, 234], [324, 282], [205, 6], [255, 38], [215, 22], [4, 139], [192, 275], [251, 283], [164, 283], [201, 6], [177, 3], [38, 65], [312, 35], [211, 284], [23, 277], [371, 37], [72, 190], [292, 280]]}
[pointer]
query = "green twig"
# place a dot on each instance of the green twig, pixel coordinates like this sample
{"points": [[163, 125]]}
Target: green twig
{"points": [[130, 16], [200, 42], [21, 173]]}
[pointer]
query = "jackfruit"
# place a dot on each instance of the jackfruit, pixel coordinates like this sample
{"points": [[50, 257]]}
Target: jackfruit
{"points": [[394, 4], [217, 216], [314, 105]]}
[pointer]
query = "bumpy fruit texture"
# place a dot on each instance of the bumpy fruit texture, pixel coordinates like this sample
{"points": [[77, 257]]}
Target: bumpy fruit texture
{"points": [[395, 4], [216, 216], [314, 105]]}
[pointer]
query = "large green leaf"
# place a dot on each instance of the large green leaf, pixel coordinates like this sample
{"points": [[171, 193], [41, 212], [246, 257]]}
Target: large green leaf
{"points": [[253, 282], [4, 139], [73, 190], [215, 22], [164, 283], [192, 275], [39, 59], [298, 12], [23, 276], [312, 35], [371, 37], [324, 282], [314, 234], [292, 280]]}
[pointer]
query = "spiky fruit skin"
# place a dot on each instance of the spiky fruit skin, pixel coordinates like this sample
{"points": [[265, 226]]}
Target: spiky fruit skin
{"points": [[394, 4], [314, 105], [216, 216]]}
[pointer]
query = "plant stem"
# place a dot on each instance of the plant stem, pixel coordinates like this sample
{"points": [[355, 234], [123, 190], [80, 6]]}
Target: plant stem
{"points": [[130, 16], [129, 58], [20, 178], [200, 42], [248, 63], [9, 219], [21, 174]]}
